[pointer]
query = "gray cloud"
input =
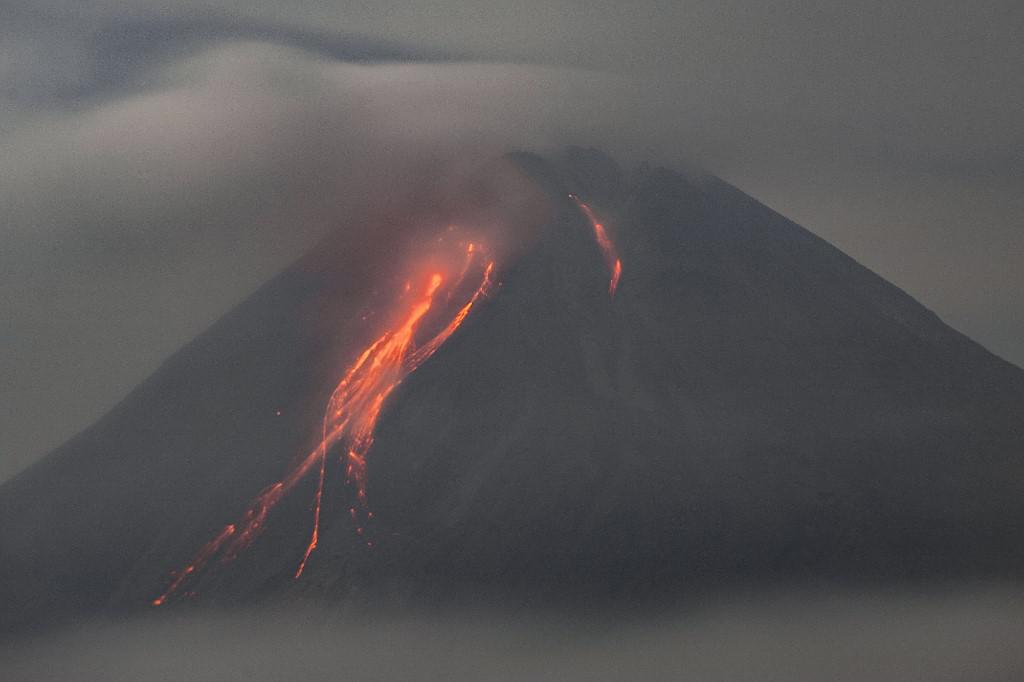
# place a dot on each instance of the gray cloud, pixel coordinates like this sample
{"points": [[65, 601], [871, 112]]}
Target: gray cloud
{"points": [[132, 225], [157, 162], [864, 637]]}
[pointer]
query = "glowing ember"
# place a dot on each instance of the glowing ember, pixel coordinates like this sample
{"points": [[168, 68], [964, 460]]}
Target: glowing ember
{"points": [[352, 414], [611, 256]]}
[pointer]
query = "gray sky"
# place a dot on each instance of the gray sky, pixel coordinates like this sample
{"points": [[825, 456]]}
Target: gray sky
{"points": [[158, 160]]}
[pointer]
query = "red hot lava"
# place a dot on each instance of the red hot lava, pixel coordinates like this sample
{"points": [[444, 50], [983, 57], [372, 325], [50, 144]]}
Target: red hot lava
{"points": [[355, 406], [611, 255], [354, 409]]}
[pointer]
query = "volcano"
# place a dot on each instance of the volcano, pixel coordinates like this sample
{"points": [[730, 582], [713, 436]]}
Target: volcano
{"points": [[669, 388]]}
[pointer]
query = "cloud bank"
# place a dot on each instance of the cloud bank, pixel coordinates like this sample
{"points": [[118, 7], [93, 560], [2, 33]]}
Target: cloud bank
{"points": [[973, 634], [158, 162]]}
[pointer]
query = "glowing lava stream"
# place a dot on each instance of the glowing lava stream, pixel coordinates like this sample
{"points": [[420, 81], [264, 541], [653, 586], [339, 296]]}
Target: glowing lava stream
{"points": [[350, 418], [611, 255]]}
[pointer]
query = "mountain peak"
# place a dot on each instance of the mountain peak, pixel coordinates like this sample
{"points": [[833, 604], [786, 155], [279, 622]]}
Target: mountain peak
{"points": [[749, 404]]}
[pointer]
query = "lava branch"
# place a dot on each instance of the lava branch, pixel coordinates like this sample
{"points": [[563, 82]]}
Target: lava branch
{"points": [[356, 404], [350, 418], [608, 250]]}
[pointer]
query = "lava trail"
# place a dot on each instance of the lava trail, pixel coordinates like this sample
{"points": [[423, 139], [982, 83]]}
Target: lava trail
{"points": [[357, 401], [355, 407], [611, 255]]}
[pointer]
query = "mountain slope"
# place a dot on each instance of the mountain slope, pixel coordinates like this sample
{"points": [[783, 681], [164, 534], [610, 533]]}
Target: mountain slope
{"points": [[750, 405]]}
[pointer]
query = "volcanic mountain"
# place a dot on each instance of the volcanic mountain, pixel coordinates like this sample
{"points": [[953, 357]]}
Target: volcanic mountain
{"points": [[743, 403]]}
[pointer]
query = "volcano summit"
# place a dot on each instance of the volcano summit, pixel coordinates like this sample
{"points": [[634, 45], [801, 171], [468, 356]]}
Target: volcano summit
{"points": [[666, 388]]}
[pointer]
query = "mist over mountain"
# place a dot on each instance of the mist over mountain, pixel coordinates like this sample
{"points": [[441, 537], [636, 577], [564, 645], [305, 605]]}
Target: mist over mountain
{"points": [[751, 406]]}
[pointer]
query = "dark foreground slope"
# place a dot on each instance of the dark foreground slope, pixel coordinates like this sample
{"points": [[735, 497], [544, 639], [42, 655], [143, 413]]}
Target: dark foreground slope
{"points": [[751, 405]]}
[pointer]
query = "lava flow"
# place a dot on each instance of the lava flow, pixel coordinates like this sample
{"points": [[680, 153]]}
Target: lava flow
{"points": [[353, 411], [611, 255]]}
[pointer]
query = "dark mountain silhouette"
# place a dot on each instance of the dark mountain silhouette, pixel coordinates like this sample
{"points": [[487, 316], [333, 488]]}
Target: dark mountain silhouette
{"points": [[752, 405]]}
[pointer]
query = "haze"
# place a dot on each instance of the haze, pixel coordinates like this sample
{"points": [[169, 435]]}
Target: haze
{"points": [[929, 636], [161, 161]]}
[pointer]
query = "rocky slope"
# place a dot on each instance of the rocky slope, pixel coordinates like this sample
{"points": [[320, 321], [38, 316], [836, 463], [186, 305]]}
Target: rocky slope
{"points": [[751, 405]]}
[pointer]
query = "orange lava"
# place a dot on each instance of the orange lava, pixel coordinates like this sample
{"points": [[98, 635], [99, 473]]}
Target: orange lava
{"points": [[353, 411], [611, 255], [357, 401]]}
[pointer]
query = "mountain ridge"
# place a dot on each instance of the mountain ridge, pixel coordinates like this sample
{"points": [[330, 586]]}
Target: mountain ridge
{"points": [[752, 404]]}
